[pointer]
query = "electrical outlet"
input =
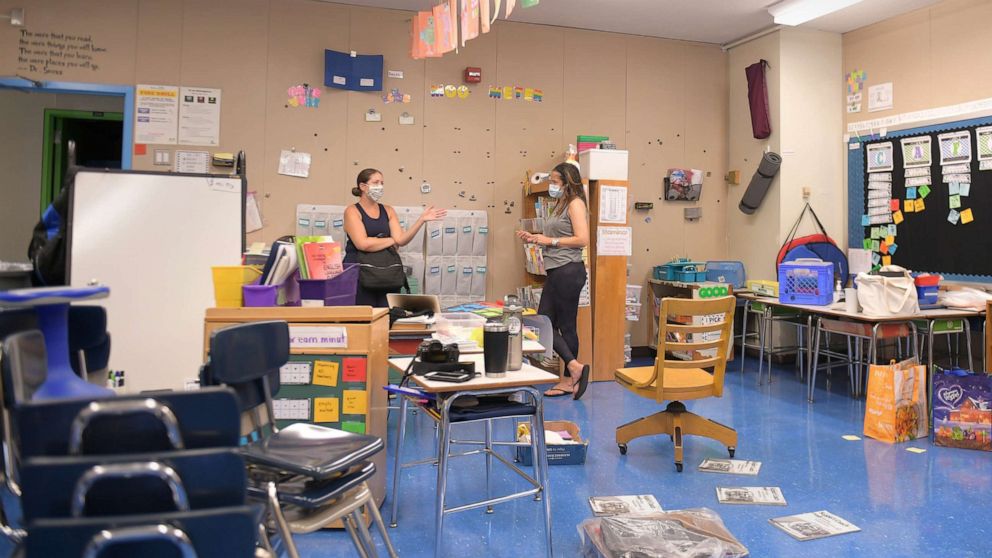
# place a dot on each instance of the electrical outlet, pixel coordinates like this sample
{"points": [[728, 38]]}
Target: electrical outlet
{"points": [[191, 384], [163, 157]]}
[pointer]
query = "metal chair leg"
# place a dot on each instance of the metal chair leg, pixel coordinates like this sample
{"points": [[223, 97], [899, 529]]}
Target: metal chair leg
{"points": [[747, 306], [489, 463], [398, 461], [442, 482], [541, 465], [851, 376], [762, 330], [364, 535], [814, 363], [381, 526], [287, 537], [349, 525]]}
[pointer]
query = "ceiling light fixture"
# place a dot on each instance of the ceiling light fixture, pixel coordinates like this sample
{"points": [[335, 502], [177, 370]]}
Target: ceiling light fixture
{"points": [[796, 12]]}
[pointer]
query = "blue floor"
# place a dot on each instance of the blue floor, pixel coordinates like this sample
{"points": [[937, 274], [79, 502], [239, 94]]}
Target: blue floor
{"points": [[931, 504]]}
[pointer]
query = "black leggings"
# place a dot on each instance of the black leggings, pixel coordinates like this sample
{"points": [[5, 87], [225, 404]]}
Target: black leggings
{"points": [[560, 303]]}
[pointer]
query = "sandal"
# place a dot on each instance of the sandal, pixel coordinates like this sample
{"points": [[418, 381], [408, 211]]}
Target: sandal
{"points": [[559, 392], [582, 384]]}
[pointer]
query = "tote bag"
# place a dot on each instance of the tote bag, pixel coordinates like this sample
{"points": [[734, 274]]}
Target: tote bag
{"points": [[896, 403], [880, 295], [381, 271]]}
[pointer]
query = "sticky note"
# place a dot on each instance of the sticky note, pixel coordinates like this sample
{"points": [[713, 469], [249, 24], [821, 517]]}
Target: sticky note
{"points": [[924, 191], [875, 246], [325, 373], [886, 260], [354, 427], [897, 217], [967, 216], [850, 437], [920, 205], [909, 206], [965, 189], [354, 369], [911, 193], [916, 450], [954, 217], [953, 188], [890, 240], [894, 205], [892, 231], [355, 402], [883, 247], [867, 244], [875, 259], [954, 202], [325, 409], [865, 221], [874, 233], [893, 248]]}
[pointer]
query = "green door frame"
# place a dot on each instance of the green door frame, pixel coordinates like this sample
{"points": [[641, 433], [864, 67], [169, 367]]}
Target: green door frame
{"points": [[51, 176]]}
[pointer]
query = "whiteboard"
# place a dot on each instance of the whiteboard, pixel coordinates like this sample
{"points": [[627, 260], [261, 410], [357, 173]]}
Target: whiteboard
{"points": [[152, 238]]}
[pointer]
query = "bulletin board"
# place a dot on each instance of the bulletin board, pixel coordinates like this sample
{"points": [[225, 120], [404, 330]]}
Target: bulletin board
{"points": [[927, 241]]}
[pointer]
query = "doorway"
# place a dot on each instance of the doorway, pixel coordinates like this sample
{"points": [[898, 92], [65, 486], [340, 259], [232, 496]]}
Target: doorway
{"points": [[98, 136]]}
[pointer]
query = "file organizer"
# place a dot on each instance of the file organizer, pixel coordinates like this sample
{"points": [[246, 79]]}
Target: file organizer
{"points": [[337, 384]]}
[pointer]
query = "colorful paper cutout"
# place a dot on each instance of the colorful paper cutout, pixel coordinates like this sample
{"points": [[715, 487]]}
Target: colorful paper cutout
{"points": [[954, 188], [967, 216], [909, 206], [354, 427], [953, 217], [325, 409], [965, 189], [883, 247], [890, 240], [924, 191], [866, 244], [875, 258], [920, 206], [354, 369], [911, 193], [325, 373], [445, 30], [470, 20], [954, 202], [893, 248], [875, 246], [303, 96], [886, 260], [897, 217], [893, 231], [894, 205], [355, 402]]}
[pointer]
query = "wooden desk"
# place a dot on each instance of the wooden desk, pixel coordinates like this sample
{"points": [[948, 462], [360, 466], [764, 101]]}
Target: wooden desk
{"points": [[359, 366]]}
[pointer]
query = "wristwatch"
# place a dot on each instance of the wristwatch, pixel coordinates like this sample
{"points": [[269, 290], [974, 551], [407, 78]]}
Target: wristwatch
{"points": [[554, 242]]}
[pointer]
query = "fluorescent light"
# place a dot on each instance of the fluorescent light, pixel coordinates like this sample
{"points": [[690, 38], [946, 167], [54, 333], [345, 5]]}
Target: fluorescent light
{"points": [[795, 12]]}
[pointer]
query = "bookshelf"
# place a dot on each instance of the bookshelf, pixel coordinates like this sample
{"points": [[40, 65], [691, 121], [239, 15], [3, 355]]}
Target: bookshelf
{"points": [[534, 196]]}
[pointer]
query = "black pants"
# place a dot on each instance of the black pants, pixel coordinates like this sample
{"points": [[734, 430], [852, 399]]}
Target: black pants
{"points": [[560, 303], [368, 297]]}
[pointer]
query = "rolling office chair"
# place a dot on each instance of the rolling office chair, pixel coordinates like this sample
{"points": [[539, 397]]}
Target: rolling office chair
{"points": [[305, 468], [675, 380]]}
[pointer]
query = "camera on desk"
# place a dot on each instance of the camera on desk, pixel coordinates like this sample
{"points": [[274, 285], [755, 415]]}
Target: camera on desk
{"points": [[435, 352]]}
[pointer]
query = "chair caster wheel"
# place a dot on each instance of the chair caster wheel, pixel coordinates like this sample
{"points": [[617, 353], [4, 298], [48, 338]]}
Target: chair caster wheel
{"points": [[678, 467], [623, 449], [731, 451]]}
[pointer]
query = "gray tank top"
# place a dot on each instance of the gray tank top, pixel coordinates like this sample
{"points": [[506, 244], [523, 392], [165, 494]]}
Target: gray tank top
{"points": [[558, 226]]}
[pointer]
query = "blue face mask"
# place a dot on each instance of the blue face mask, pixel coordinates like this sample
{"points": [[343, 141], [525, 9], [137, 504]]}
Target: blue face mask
{"points": [[555, 191]]}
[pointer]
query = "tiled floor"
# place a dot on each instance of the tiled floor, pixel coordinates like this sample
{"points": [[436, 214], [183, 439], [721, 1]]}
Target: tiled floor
{"points": [[933, 504]]}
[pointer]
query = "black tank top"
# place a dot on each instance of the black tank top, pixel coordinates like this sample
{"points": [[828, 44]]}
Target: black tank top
{"points": [[374, 228]]}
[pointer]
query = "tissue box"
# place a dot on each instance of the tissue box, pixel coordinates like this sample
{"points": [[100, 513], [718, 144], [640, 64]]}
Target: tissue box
{"points": [[559, 454]]}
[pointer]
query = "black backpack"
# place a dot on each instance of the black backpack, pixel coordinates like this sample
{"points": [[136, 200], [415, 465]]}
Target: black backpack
{"points": [[47, 250]]}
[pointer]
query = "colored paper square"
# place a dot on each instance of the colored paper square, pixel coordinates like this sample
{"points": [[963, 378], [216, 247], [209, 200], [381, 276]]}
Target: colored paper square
{"points": [[954, 188], [325, 409], [886, 260], [354, 427], [953, 217], [965, 189], [920, 205], [954, 202], [892, 230], [874, 233], [892, 249], [867, 244], [354, 369], [967, 216], [890, 240], [325, 373], [924, 191], [897, 217], [894, 205], [911, 193], [875, 245], [883, 247], [875, 258], [909, 206], [865, 221], [140, 149], [355, 402]]}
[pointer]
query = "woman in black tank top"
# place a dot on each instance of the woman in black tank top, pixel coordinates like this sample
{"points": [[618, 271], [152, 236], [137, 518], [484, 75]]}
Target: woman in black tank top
{"points": [[372, 226]]}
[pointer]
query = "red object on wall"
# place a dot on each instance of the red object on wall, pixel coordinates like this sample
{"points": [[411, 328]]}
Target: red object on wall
{"points": [[473, 75], [757, 96]]}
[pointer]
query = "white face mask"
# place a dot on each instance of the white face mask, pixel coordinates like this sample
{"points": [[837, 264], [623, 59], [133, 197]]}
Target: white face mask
{"points": [[555, 190], [375, 192]]}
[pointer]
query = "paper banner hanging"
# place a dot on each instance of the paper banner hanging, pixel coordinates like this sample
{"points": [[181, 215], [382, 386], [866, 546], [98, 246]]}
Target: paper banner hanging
{"points": [[916, 152], [955, 147], [445, 29], [303, 96], [470, 20], [424, 37], [484, 22], [983, 136], [880, 157], [509, 7], [496, 11]]}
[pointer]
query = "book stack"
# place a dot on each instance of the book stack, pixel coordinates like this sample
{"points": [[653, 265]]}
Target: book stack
{"points": [[535, 259], [281, 263], [585, 143], [319, 256]]}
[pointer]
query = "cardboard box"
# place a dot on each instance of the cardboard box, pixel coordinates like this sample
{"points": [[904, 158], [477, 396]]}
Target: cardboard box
{"points": [[603, 164], [559, 454]]}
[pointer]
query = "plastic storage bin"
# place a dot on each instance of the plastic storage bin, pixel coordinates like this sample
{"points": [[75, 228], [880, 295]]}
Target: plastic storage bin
{"points": [[337, 291], [260, 295], [726, 272], [927, 286], [558, 454], [460, 325], [228, 280], [806, 281]]}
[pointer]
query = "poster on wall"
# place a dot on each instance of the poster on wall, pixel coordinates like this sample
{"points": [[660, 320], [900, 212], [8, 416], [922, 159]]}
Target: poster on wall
{"points": [[156, 114], [916, 152], [199, 116], [984, 137], [880, 97], [955, 147], [880, 157]]}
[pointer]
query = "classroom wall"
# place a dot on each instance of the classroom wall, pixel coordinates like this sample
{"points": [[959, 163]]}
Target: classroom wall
{"points": [[21, 136], [664, 100]]}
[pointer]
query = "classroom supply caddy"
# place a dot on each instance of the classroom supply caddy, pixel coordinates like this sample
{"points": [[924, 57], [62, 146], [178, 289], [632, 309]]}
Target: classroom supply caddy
{"points": [[339, 290], [558, 454], [806, 281], [287, 294], [681, 269], [927, 286], [762, 287], [228, 280]]}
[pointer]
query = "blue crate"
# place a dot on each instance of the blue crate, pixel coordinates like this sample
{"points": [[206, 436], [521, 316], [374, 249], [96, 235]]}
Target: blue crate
{"points": [[806, 282], [726, 272], [927, 294]]}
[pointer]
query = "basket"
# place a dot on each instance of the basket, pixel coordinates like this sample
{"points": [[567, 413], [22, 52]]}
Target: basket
{"points": [[336, 291], [559, 454], [228, 280], [726, 272], [806, 281]]}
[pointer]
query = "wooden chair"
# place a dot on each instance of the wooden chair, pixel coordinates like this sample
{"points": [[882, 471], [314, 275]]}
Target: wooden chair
{"points": [[674, 380]]}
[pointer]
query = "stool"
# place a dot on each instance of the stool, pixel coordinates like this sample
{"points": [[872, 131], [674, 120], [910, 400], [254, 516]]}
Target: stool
{"points": [[862, 333], [499, 407]]}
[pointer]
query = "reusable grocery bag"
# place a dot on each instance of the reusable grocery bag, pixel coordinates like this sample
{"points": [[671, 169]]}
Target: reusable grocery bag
{"points": [[962, 410], [886, 294], [896, 406]]}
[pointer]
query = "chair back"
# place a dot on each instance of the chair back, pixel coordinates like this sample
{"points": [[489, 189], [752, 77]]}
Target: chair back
{"points": [[206, 418], [693, 334], [147, 483], [89, 340], [24, 366], [229, 532]]}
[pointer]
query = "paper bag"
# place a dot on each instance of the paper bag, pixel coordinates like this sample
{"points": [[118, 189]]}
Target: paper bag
{"points": [[896, 406]]}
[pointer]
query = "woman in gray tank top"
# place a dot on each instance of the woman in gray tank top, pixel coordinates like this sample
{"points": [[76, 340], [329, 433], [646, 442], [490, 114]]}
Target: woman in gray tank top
{"points": [[566, 233]]}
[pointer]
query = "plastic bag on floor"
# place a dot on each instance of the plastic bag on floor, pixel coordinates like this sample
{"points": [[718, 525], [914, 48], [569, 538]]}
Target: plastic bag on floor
{"points": [[689, 533]]}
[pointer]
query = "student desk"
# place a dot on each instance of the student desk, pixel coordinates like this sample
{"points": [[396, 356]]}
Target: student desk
{"points": [[938, 322], [446, 394]]}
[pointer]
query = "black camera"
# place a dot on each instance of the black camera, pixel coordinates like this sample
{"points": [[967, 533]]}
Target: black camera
{"points": [[435, 352]]}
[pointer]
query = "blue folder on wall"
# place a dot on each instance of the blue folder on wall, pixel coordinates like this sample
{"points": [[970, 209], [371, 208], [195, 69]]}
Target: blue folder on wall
{"points": [[355, 73]]}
